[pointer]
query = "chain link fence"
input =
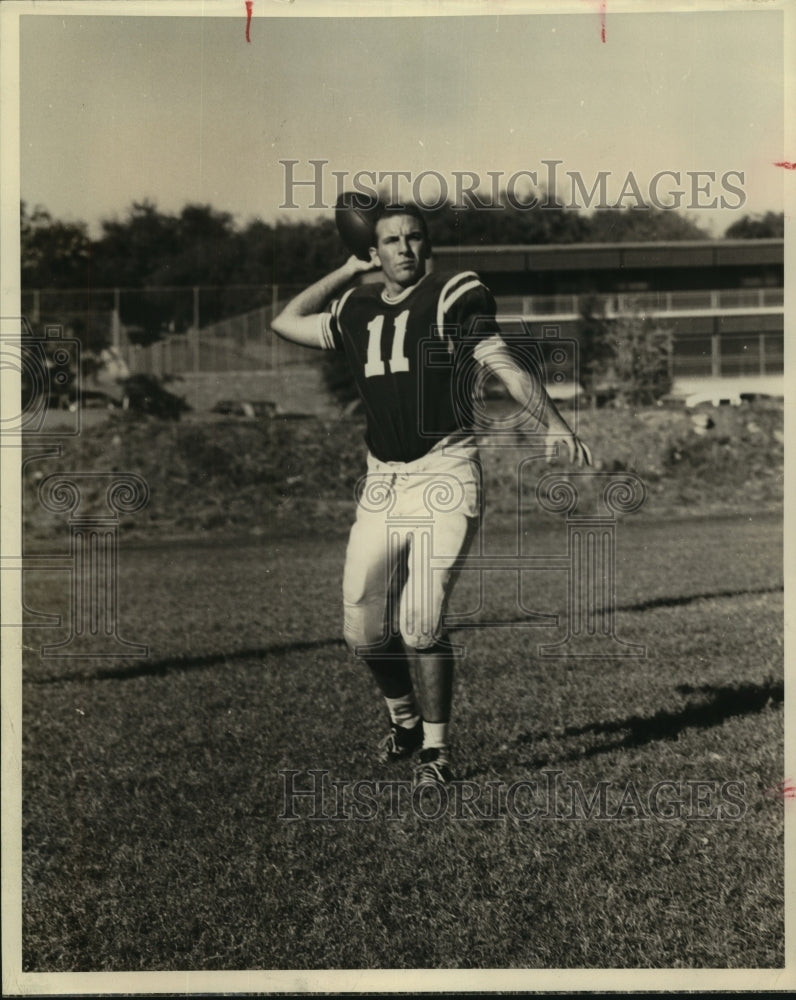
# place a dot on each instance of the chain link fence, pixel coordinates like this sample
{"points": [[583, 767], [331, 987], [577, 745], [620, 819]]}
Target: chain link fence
{"points": [[182, 332], [242, 343]]}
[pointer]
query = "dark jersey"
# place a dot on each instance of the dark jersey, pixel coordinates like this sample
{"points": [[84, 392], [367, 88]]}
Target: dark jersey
{"points": [[411, 357]]}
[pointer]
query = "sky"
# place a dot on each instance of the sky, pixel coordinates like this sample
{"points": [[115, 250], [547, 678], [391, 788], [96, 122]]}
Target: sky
{"points": [[116, 109]]}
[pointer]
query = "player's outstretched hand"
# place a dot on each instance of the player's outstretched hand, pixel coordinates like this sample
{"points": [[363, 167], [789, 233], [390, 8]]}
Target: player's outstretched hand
{"points": [[578, 451]]}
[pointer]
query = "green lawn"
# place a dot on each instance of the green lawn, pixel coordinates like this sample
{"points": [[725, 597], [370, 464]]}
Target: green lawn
{"points": [[152, 793]]}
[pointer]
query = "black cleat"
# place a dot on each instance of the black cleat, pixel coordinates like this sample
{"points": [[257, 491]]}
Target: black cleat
{"points": [[434, 768], [400, 743]]}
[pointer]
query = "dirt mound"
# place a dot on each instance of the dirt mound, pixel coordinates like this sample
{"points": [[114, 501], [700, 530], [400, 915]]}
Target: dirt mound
{"points": [[296, 476]]}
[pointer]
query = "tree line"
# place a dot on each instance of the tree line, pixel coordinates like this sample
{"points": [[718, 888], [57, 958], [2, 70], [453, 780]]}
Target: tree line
{"points": [[200, 246]]}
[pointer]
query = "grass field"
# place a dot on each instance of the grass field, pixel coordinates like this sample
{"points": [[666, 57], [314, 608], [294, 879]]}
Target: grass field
{"points": [[152, 793]]}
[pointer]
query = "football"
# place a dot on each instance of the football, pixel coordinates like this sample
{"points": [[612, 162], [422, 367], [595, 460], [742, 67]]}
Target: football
{"points": [[354, 214]]}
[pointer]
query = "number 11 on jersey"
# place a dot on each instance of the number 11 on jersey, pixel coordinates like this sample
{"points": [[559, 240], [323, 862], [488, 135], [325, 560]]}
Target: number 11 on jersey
{"points": [[398, 361]]}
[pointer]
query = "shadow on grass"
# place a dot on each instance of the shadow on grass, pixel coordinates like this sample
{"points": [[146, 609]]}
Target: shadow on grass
{"points": [[720, 704], [676, 602], [648, 605], [179, 664]]}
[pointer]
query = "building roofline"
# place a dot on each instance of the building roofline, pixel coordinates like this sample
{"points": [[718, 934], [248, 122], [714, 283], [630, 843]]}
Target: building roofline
{"points": [[619, 245]]}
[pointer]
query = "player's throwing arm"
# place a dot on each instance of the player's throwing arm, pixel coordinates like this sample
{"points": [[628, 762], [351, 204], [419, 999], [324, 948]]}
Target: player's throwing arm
{"points": [[302, 320]]}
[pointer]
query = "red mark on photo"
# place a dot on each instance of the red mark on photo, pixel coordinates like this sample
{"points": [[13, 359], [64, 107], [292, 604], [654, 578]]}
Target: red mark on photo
{"points": [[249, 9], [784, 790], [787, 164], [603, 6]]}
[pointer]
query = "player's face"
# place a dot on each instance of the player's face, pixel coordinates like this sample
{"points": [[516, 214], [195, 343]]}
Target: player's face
{"points": [[401, 251]]}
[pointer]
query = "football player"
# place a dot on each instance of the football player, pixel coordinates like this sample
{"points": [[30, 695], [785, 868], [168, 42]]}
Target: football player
{"points": [[413, 344]]}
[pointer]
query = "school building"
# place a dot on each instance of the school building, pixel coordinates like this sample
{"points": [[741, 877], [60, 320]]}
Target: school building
{"points": [[723, 300]]}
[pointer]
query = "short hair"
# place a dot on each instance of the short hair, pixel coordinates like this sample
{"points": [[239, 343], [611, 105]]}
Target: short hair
{"points": [[385, 210]]}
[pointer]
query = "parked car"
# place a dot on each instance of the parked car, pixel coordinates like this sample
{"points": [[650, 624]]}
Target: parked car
{"points": [[147, 394], [713, 399], [245, 408], [92, 399]]}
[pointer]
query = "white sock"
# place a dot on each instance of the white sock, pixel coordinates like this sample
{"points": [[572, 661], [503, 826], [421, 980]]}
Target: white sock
{"points": [[435, 734], [403, 710]]}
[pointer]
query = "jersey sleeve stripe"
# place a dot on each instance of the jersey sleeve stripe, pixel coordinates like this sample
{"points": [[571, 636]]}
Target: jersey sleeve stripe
{"points": [[337, 305], [331, 333], [341, 302], [457, 294], [442, 303], [327, 335]]}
